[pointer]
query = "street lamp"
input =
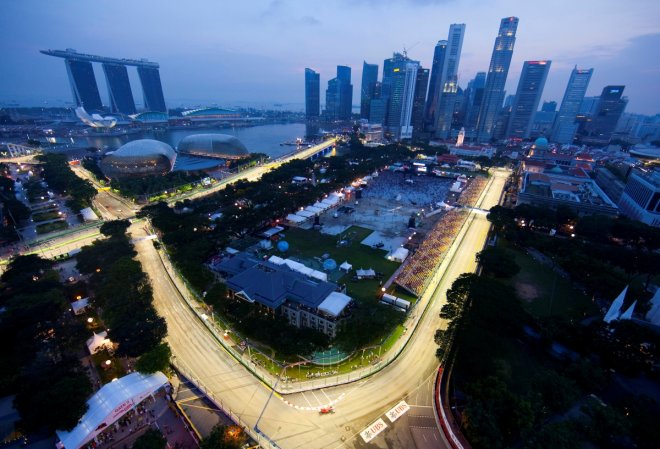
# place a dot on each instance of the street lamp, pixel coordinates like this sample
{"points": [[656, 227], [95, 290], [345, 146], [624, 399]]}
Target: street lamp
{"points": [[108, 363], [90, 320]]}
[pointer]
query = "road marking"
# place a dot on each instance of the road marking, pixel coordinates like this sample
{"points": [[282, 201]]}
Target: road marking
{"points": [[373, 430], [397, 411]]}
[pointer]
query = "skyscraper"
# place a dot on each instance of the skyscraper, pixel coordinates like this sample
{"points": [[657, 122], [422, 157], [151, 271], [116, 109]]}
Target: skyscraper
{"points": [[119, 88], [475, 95], [369, 80], [549, 106], [608, 113], [435, 85], [339, 95], [528, 96], [394, 77], [345, 92], [83, 84], [497, 73], [86, 91], [421, 84], [447, 94], [152, 89], [312, 94], [332, 100], [409, 79], [565, 126]]}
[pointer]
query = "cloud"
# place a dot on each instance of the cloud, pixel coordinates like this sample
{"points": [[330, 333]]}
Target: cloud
{"points": [[309, 20]]}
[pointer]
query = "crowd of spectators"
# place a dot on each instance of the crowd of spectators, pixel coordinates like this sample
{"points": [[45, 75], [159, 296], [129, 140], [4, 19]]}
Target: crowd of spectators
{"points": [[423, 263], [425, 260], [471, 193], [416, 190]]}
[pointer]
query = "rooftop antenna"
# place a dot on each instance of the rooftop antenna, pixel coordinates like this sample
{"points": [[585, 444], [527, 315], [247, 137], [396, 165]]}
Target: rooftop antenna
{"points": [[405, 50]]}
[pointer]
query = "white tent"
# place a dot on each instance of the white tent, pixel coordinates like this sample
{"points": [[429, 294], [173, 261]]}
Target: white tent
{"points": [[334, 304], [314, 210], [370, 273], [272, 231], [109, 404], [321, 205], [99, 342], [79, 306], [295, 218], [345, 266], [277, 260], [321, 276], [88, 214], [305, 213], [399, 254], [615, 309]]}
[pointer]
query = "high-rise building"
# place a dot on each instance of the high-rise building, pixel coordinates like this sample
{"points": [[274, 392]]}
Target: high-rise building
{"points": [[435, 85], [332, 100], [610, 107], [339, 95], [345, 92], [86, 91], [447, 93], [83, 84], [152, 89], [312, 94], [475, 94], [589, 105], [394, 71], [497, 73], [119, 88], [549, 106], [369, 80], [528, 96], [421, 84], [378, 106], [565, 127], [407, 100]]}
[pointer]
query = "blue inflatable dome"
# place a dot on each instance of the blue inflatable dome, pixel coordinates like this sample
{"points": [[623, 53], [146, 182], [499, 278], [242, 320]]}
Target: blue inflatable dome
{"points": [[283, 246], [329, 264]]}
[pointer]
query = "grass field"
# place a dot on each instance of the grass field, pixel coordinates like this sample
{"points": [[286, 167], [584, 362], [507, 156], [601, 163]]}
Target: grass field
{"points": [[52, 226], [546, 293], [307, 245]]}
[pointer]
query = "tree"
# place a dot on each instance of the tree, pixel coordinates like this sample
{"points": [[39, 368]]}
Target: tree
{"points": [[224, 437], [115, 227], [559, 435], [151, 439], [53, 395], [498, 262], [158, 359]]}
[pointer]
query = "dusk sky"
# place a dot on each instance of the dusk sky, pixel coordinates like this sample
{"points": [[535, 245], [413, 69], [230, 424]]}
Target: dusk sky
{"points": [[254, 52]]}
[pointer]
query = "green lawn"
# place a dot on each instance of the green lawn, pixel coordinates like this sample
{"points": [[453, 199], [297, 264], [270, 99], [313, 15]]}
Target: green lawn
{"points": [[52, 226], [307, 244], [545, 293]]}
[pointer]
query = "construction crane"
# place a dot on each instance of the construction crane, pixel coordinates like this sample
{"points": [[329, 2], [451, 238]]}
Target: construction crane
{"points": [[405, 50]]}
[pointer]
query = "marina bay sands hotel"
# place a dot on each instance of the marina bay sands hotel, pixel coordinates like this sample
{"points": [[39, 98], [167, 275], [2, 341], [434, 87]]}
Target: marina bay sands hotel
{"points": [[86, 91]]}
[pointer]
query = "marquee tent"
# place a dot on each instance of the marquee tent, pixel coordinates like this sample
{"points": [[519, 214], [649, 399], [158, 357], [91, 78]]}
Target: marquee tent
{"points": [[305, 213], [109, 404], [334, 304], [295, 218], [99, 342]]}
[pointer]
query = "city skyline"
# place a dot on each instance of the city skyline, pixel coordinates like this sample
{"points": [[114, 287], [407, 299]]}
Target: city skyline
{"points": [[258, 55]]}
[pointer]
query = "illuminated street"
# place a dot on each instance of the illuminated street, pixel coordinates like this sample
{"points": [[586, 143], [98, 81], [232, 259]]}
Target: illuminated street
{"points": [[361, 402]]}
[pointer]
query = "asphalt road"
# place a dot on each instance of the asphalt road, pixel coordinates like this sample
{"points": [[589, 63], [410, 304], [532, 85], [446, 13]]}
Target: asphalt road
{"points": [[358, 404]]}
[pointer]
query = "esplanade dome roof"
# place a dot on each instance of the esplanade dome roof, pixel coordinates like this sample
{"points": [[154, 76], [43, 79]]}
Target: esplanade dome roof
{"points": [[541, 143], [145, 147], [139, 158], [223, 146]]}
